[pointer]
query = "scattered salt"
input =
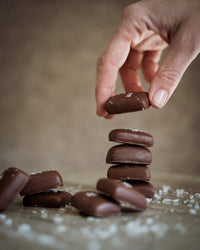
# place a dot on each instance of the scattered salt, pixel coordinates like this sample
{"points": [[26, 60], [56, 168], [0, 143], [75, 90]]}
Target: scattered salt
{"points": [[126, 184], [2, 216], [128, 94], [24, 228], [192, 211], [149, 221], [90, 194], [166, 201], [45, 239], [179, 227], [57, 220], [43, 211], [61, 229], [148, 200], [157, 196], [175, 201], [89, 218], [8, 222], [197, 205], [197, 195], [166, 189], [34, 212], [1, 176], [44, 216], [94, 245]]}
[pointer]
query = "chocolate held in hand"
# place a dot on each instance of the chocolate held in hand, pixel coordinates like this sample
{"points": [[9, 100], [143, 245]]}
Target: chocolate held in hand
{"points": [[128, 102], [12, 181], [131, 136], [42, 181], [94, 204]]}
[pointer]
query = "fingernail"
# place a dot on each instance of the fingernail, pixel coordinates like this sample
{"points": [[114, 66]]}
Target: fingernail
{"points": [[159, 98]]}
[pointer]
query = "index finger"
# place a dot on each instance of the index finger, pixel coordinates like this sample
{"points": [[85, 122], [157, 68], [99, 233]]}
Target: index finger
{"points": [[112, 58]]}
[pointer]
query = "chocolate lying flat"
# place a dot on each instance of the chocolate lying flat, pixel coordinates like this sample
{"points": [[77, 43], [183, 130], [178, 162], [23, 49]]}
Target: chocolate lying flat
{"points": [[94, 204], [146, 188], [128, 102], [131, 136], [47, 199], [12, 181], [123, 192], [42, 181], [129, 154], [130, 172]]}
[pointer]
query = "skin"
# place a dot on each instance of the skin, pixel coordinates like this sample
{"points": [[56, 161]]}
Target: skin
{"points": [[145, 29]]}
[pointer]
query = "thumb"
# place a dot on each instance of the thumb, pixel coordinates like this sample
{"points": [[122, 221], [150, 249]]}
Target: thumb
{"points": [[180, 54]]}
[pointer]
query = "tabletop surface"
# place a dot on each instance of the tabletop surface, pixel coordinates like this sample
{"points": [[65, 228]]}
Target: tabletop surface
{"points": [[171, 221]]}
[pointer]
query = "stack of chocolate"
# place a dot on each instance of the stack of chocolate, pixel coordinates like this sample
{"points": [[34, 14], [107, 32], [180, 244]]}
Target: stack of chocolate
{"points": [[132, 158], [38, 188]]}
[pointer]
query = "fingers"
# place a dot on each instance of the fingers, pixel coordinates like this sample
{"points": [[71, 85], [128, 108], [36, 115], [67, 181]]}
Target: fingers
{"points": [[180, 54], [150, 64], [129, 74], [112, 58]]}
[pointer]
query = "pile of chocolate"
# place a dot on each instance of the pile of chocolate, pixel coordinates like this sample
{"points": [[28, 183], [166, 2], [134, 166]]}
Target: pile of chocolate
{"points": [[38, 189], [127, 185]]}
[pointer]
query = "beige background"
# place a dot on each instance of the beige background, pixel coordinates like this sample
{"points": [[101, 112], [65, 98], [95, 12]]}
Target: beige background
{"points": [[48, 53]]}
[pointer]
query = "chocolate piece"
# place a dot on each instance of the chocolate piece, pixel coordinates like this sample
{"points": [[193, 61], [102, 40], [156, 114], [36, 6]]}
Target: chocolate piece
{"points": [[47, 199], [128, 102], [12, 181], [130, 136], [130, 172], [129, 154], [42, 181], [94, 204], [123, 192], [146, 188]]}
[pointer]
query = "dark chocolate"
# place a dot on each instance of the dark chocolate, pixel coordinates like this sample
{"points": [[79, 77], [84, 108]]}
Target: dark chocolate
{"points": [[12, 181], [146, 188], [129, 172], [42, 181], [94, 204], [130, 136], [52, 199], [123, 192], [129, 154], [128, 102]]}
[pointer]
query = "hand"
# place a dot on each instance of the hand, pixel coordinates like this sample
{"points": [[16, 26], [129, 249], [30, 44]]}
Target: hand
{"points": [[145, 29]]}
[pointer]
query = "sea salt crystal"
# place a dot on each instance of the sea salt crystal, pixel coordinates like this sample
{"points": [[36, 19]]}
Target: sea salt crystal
{"points": [[129, 94], [90, 194], [180, 192], [197, 205], [192, 211], [1, 176], [148, 200], [90, 218], [94, 245], [24, 228], [175, 201], [44, 216], [157, 196], [2, 216], [34, 212], [197, 195], [61, 229], [166, 189], [45, 239], [149, 221], [166, 201], [127, 184], [179, 227], [8, 222], [57, 220]]}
